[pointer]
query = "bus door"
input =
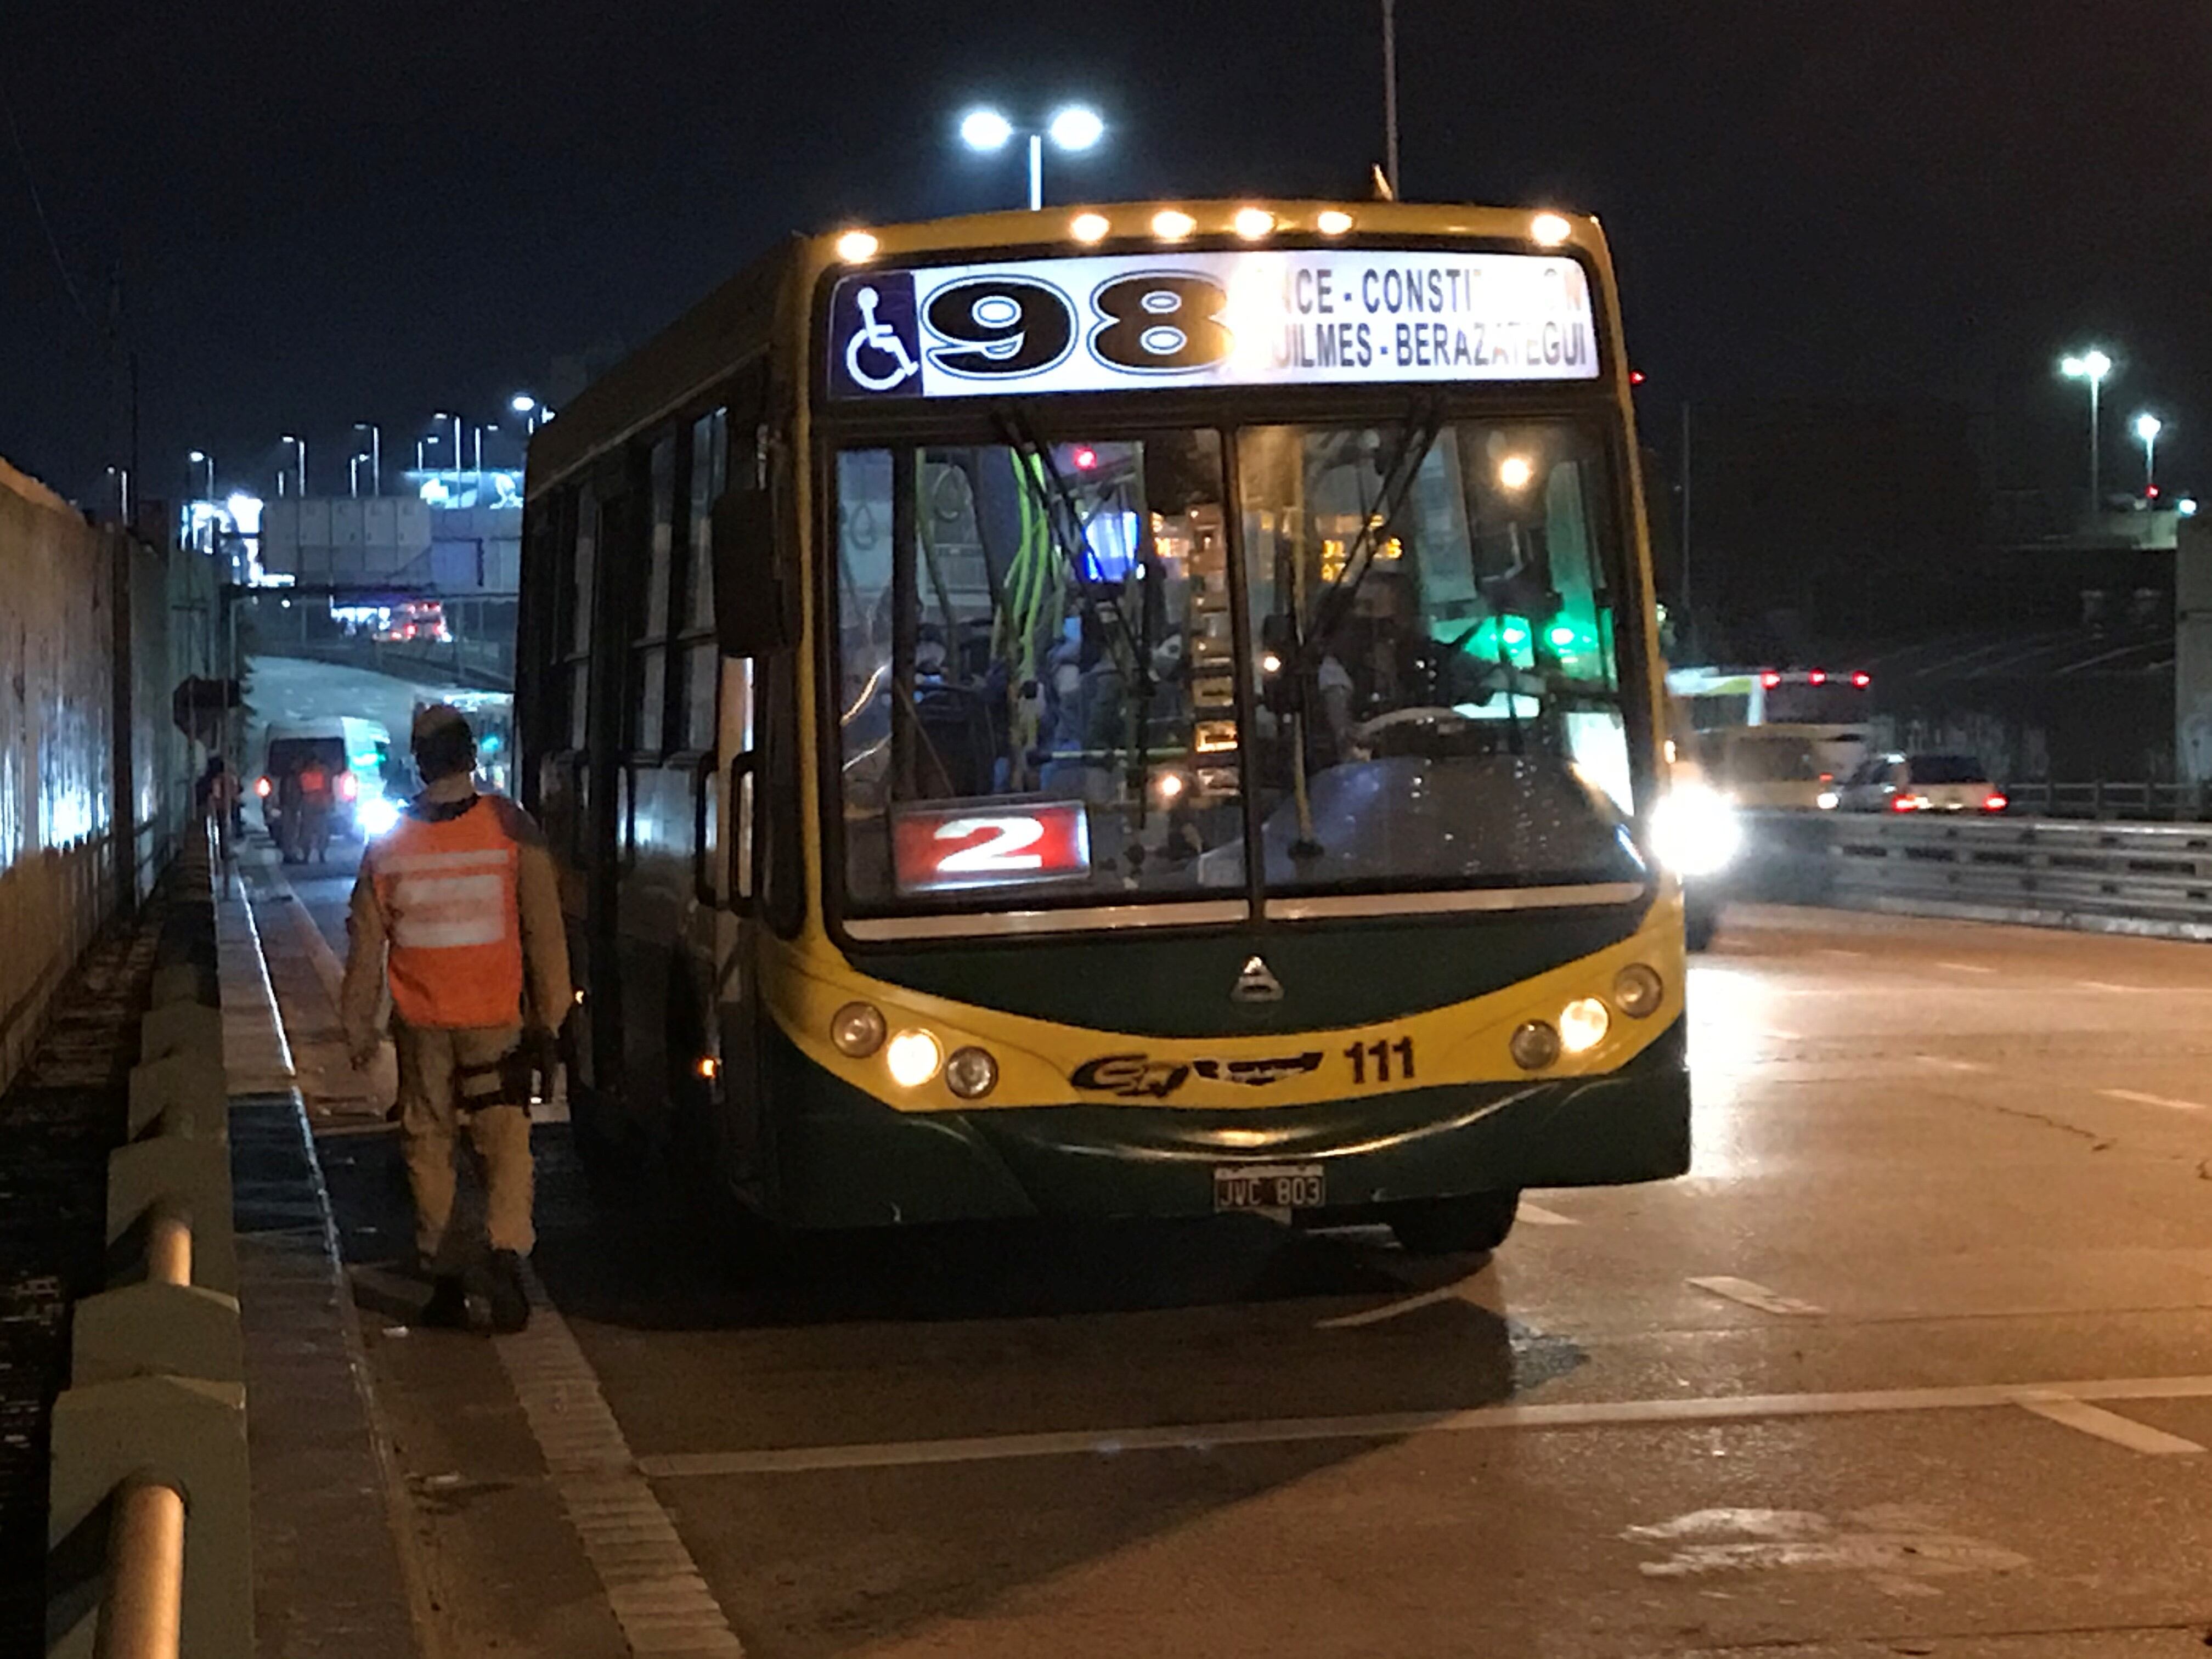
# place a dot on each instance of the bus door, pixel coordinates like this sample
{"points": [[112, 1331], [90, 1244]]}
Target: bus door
{"points": [[602, 787], [665, 897]]}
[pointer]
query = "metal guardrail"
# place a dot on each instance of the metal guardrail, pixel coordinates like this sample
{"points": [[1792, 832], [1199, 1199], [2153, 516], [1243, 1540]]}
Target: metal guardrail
{"points": [[2137, 801], [148, 1482], [2110, 876]]}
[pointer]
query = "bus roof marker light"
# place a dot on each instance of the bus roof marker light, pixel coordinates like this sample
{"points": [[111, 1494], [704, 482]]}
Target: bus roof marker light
{"points": [[913, 1057], [1173, 224], [856, 246], [1862, 680], [1252, 223], [1818, 677], [971, 1073], [1550, 229], [1333, 222], [1089, 227], [1770, 680]]}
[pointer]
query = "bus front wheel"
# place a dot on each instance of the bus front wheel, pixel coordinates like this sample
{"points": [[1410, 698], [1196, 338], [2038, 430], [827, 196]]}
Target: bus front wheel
{"points": [[1452, 1226]]}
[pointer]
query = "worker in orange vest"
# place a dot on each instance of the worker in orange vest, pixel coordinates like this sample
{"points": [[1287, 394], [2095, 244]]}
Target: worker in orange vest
{"points": [[458, 905]]}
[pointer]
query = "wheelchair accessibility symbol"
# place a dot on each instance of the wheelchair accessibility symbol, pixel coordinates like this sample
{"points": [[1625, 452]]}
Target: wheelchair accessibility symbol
{"points": [[875, 356], [875, 336]]}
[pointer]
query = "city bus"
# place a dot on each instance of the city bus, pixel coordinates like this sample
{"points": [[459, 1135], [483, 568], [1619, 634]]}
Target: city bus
{"points": [[1143, 711], [1779, 738]]}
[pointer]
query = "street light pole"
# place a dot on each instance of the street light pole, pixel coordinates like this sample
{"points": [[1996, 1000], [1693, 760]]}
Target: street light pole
{"points": [[2148, 427], [375, 454], [2092, 365], [300, 445], [1072, 127], [202, 458], [1390, 95]]}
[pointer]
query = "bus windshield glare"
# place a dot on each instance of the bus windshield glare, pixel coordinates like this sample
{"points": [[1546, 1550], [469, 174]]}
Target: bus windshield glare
{"points": [[1047, 696]]}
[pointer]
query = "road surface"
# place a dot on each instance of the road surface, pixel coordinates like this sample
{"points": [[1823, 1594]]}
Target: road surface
{"points": [[1918, 1359]]}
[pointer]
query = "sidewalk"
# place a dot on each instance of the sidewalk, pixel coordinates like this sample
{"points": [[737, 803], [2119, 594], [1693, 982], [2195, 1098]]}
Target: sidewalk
{"points": [[330, 1569]]}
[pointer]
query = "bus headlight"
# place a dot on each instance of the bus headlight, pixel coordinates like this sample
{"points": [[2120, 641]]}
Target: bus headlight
{"points": [[1534, 1046], [857, 1030], [971, 1074], [1638, 990], [1583, 1024], [1827, 801], [912, 1058], [1695, 829], [376, 816]]}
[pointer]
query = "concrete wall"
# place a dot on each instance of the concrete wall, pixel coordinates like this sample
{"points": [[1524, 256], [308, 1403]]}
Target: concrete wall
{"points": [[85, 821]]}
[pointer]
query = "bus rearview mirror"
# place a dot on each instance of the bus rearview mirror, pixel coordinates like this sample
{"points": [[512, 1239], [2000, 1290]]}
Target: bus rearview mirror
{"points": [[750, 609]]}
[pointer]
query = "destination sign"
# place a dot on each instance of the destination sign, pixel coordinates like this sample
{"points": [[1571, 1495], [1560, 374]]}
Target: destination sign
{"points": [[1272, 318]]}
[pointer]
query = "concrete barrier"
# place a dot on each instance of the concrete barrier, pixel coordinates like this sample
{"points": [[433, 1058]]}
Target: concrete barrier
{"points": [[153, 1419]]}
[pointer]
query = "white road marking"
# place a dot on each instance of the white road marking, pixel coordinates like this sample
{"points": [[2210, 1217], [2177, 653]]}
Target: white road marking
{"points": [[656, 1591], [1752, 1294], [1942, 1063], [1544, 1218], [1452, 1293], [2103, 985], [2141, 1099], [2061, 1407], [1398, 1425], [1833, 951], [1781, 1036], [1966, 966]]}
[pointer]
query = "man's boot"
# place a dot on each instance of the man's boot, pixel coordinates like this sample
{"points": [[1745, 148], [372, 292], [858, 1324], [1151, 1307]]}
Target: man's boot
{"points": [[448, 1306], [510, 1302]]}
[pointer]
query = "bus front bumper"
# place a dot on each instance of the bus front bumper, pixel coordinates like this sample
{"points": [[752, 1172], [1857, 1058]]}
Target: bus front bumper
{"points": [[842, 1159]]}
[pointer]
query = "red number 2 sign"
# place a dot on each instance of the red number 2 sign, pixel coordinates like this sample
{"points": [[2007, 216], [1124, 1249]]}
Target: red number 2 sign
{"points": [[943, 849]]}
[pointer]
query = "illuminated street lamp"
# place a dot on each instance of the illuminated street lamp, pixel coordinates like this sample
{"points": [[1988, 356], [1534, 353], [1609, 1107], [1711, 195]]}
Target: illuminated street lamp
{"points": [[2092, 365], [1073, 127], [2148, 427], [375, 455], [300, 445], [530, 409], [201, 458]]}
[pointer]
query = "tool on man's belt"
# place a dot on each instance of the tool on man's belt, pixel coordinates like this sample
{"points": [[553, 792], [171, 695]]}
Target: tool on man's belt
{"points": [[523, 1077]]}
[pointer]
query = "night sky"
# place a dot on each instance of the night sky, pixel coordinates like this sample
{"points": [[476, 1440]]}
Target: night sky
{"points": [[322, 214]]}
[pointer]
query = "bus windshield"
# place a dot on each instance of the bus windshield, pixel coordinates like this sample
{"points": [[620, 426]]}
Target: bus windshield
{"points": [[1047, 692]]}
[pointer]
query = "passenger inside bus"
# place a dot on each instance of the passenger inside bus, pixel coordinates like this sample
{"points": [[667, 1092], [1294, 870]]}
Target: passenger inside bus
{"points": [[1428, 665]]}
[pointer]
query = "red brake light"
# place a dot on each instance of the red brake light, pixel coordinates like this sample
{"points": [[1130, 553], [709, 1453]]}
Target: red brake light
{"points": [[1084, 458], [1818, 677], [348, 786], [1863, 679], [1904, 803], [1770, 681], [1996, 802], [261, 786], [1636, 377]]}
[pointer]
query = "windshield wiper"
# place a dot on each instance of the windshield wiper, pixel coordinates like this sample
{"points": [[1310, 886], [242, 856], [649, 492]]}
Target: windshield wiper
{"points": [[1424, 421]]}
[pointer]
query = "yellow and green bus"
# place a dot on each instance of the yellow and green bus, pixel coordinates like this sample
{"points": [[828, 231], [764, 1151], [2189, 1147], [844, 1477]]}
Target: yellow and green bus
{"points": [[1148, 710]]}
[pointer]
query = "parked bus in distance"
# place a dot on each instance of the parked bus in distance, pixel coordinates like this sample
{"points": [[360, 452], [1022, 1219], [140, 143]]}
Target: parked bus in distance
{"points": [[1774, 737], [1144, 711]]}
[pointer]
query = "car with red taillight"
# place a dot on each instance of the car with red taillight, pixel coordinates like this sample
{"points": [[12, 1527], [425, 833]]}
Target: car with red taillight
{"points": [[1903, 784]]}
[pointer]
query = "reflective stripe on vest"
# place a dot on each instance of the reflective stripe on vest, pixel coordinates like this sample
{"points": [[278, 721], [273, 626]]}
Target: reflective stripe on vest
{"points": [[447, 890]]}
